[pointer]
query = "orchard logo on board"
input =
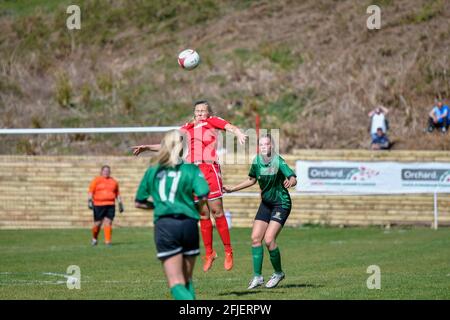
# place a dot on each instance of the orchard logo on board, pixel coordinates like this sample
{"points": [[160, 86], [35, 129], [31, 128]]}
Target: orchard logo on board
{"points": [[342, 173], [437, 175]]}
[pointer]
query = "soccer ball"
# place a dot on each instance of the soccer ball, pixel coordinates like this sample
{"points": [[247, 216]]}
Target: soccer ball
{"points": [[188, 59]]}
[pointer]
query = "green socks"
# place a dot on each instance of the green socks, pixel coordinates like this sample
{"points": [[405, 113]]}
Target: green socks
{"points": [[179, 292], [275, 258], [190, 287], [258, 255]]}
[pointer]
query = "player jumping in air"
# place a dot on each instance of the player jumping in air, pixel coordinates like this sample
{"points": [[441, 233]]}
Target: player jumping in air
{"points": [[172, 183], [274, 177], [202, 143]]}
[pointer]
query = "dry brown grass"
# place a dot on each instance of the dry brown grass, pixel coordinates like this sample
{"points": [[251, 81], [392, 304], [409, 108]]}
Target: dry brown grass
{"points": [[318, 51]]}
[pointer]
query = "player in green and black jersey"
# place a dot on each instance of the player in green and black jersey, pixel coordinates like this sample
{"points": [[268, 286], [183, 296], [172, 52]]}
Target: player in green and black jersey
{"points": [[172, 185], [274, 178]]}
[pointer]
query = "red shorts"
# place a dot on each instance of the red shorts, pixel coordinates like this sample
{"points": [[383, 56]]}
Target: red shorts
{"points": [[213, 176]]}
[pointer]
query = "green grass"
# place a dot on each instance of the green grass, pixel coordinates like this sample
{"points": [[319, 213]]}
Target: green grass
{"points": [[320, 263], [380, 3], [28, 7], [280, 55], [289, 105], [427, 12]]}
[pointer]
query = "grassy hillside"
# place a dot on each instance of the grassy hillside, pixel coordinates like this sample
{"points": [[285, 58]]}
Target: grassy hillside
{"points": [[308, 67]]}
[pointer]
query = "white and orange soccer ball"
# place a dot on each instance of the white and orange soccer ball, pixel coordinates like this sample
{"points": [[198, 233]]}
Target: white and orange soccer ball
{"points": [[188, 59]]}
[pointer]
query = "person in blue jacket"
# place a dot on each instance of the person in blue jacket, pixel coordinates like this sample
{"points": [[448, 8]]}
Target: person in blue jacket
{"points": [[439, 117]]}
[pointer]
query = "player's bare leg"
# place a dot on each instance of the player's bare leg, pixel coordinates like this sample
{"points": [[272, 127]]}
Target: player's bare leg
{"points": [[258, 232], [270, 236], [216, 209], [174, 271], [188, 268]]}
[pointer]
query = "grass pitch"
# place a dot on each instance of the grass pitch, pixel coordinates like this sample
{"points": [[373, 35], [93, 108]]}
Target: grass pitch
{"points": [[320, 263]]}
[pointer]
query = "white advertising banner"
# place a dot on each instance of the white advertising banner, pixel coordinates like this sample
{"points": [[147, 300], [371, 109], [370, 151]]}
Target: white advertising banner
{"points": [[372, 177]]}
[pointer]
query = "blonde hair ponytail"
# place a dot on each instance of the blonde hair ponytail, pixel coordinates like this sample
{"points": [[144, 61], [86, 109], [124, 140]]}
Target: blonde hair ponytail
{"points": [[171, 150]]}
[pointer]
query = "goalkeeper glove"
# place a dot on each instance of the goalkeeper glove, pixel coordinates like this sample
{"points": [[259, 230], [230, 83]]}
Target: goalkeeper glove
{"points": [[121, 209], [90, 204]]}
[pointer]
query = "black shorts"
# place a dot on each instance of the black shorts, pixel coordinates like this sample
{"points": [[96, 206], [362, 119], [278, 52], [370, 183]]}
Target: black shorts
{"points": [[175, 234], [267, 212], [101, 212]]}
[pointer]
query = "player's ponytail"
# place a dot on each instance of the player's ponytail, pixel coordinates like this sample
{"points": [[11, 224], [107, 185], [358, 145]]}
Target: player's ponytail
{"points": [[171, 150]]}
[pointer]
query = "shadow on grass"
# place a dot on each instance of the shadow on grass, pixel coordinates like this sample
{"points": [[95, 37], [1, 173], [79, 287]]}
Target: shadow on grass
{"points": [[115, 244], [301, 285], [240, 293], [273, 290]]}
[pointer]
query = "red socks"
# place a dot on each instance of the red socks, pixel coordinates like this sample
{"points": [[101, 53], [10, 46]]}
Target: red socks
{"points": [[222, 228], [206, 229]]}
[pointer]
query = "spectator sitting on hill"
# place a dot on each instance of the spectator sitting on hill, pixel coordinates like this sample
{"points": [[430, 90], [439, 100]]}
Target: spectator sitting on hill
{"points": [[438, 117], [381, 141], [379, 120]]}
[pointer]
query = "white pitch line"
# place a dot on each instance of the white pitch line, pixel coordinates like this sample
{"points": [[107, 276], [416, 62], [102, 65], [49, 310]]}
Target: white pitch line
{"points": [[31, 282], [56, 274]]}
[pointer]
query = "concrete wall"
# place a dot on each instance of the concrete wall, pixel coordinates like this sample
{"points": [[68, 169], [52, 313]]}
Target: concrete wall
{"points": [[51, 192]]}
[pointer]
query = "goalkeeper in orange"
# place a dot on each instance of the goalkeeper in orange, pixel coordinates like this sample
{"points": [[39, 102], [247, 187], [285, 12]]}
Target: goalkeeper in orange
{"points": [[103, 192], [274, 177]]}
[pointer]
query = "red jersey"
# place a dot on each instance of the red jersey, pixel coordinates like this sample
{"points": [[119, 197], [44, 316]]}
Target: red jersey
{"points": [[202, 139]]}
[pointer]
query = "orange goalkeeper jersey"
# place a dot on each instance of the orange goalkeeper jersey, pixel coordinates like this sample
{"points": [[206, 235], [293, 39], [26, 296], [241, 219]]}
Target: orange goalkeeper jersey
{"points": [[104, 191]]}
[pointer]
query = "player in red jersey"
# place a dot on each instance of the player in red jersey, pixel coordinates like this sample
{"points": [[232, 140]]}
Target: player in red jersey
{"points": [[201, 134]]}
